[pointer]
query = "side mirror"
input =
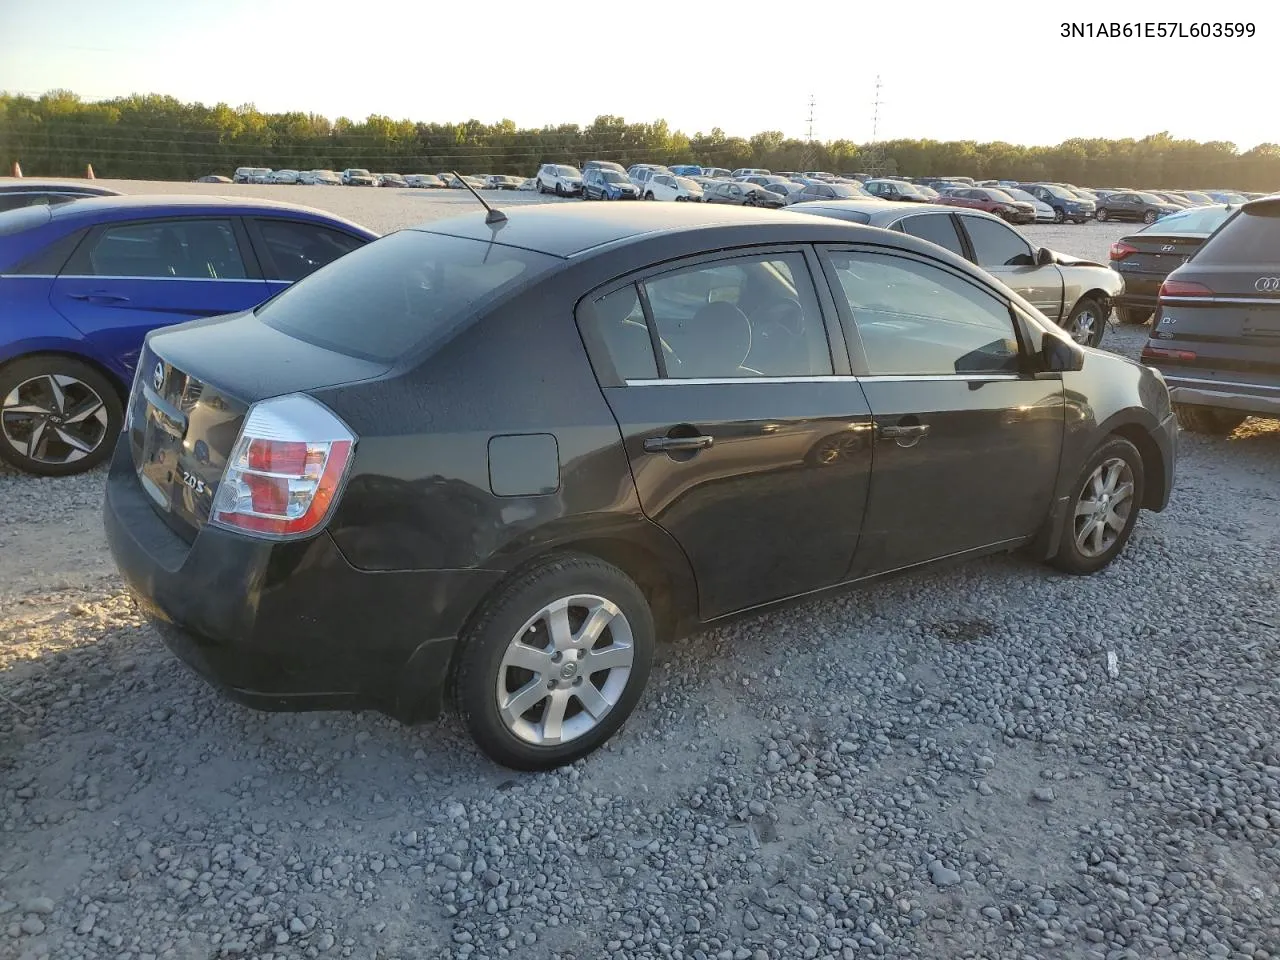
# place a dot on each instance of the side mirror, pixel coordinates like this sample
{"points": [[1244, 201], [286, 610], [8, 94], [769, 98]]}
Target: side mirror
{"points": [[1044, 257], [1059, 355]]}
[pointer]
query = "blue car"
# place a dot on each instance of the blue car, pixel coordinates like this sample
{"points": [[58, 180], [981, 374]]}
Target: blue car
{"points": [[82, 283]]}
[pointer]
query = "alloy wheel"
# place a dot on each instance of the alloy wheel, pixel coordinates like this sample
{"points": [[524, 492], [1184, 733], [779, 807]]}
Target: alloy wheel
{"points": [[1083, 326], [54, 419], [565, 670], [1103, 507]]}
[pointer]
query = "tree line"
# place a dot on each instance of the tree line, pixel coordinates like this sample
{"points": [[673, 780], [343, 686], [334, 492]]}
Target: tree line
{"points": [[154, 137]]}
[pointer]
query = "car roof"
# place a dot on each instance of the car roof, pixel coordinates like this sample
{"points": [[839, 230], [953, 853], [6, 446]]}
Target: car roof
{"points": [[93, 209], [25, 185], [571, 230]]}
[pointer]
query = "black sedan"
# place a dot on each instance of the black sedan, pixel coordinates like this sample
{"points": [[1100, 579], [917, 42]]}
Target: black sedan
{"points": [[742, 194], [20, 192], [1135, 205], [573, 431], [1145, 258]]}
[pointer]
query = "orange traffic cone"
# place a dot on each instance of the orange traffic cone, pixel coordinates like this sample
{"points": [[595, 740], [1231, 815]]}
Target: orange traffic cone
{"points": [[88, 172], [17, 170]]}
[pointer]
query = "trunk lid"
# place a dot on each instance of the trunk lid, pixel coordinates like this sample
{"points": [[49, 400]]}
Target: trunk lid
{"points": [[1158, 255], [193, 387]]}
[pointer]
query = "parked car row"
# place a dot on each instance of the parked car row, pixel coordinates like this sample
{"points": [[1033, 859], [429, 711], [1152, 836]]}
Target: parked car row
{"points": [[360, 177]]}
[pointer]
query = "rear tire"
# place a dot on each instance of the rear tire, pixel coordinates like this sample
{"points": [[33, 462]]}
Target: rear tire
{"points": [[66, 409], [1210, 421], [1107, 494], [518, 654], [1137, 316]]}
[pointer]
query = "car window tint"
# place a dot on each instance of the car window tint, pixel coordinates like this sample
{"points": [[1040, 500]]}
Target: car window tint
{"points": [[620, 322], [995, 245], [1247, 238], [746, 317], [937, 228], [299, 249], [192, 249], [918, 320]]}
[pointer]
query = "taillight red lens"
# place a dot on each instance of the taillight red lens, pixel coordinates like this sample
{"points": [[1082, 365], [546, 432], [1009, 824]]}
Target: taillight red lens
{"points": [[1184, 288], [278, 456], [1120, 250]]}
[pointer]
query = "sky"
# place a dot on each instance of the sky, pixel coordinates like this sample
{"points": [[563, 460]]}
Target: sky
{"points": [[990, 70]]}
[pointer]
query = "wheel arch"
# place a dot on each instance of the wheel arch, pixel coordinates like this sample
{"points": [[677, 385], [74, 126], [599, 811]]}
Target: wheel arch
{"points": [[1153, 478], [65, 350]]}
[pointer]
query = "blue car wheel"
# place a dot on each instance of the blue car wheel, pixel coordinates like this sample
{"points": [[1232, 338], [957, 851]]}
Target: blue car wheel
{"points": [[58, 415]]}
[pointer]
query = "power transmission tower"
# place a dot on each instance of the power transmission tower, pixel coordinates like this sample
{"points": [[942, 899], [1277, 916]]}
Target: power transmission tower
{"points": [[874, 160], [808, 150]]}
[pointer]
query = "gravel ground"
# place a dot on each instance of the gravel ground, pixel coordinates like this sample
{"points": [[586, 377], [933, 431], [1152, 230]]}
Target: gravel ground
{"points": [[945, 765]]}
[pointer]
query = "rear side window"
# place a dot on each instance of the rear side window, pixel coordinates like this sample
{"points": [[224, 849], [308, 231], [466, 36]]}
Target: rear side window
{"points": [[995, 245], [401, 293], [937, 228], [297, 249], [1246, 238], [188, 249]]}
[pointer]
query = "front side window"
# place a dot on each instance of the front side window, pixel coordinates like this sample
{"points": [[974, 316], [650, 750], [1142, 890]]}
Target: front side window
{"points": [[191, 249], [400, 294], [298, 249], [995, 245], [914, 319]]}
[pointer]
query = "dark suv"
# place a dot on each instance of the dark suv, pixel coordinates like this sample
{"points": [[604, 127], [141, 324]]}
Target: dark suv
{"points": [[1216, 333], [495, 458]]}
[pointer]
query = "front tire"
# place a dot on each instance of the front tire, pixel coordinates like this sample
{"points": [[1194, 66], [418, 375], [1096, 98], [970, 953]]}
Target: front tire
{"points": [[1103, 509], [555, 663], [1087, 323], [1210, 421], [1150, 217], [1102, 215], [1058, 215], [58, 416]]}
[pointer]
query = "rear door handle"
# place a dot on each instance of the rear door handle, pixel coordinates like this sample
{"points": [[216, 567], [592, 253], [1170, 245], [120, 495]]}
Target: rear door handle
{"points": [[105, 297], [912, 432], [668, 444]]}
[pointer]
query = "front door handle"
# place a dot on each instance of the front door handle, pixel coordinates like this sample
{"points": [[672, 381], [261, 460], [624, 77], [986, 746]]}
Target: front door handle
{"points": [[669, 444]]}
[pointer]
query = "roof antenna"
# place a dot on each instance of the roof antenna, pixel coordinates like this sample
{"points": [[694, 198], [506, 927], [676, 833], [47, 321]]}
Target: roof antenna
{"points": [[493, 216]]}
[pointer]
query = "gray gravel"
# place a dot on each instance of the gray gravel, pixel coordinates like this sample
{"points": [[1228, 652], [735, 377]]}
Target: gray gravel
{"points": [[940, 766]]}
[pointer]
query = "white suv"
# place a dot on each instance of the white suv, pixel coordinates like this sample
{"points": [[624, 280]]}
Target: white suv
{"points": [[560, 179]]}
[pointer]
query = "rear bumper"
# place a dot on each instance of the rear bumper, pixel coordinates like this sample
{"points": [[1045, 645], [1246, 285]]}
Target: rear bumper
{"points": [[1261, 400], [290, 626]]}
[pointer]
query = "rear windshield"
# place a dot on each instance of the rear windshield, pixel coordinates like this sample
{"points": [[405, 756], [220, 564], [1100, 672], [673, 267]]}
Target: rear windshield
{"points": [[400, 294], [1247, 238], [1198, 220]]}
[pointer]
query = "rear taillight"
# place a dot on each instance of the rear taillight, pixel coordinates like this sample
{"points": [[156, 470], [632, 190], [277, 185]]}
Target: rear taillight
{"points": [[286, 469], [1120, 250], [1183, 288], [1159, 353]]}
